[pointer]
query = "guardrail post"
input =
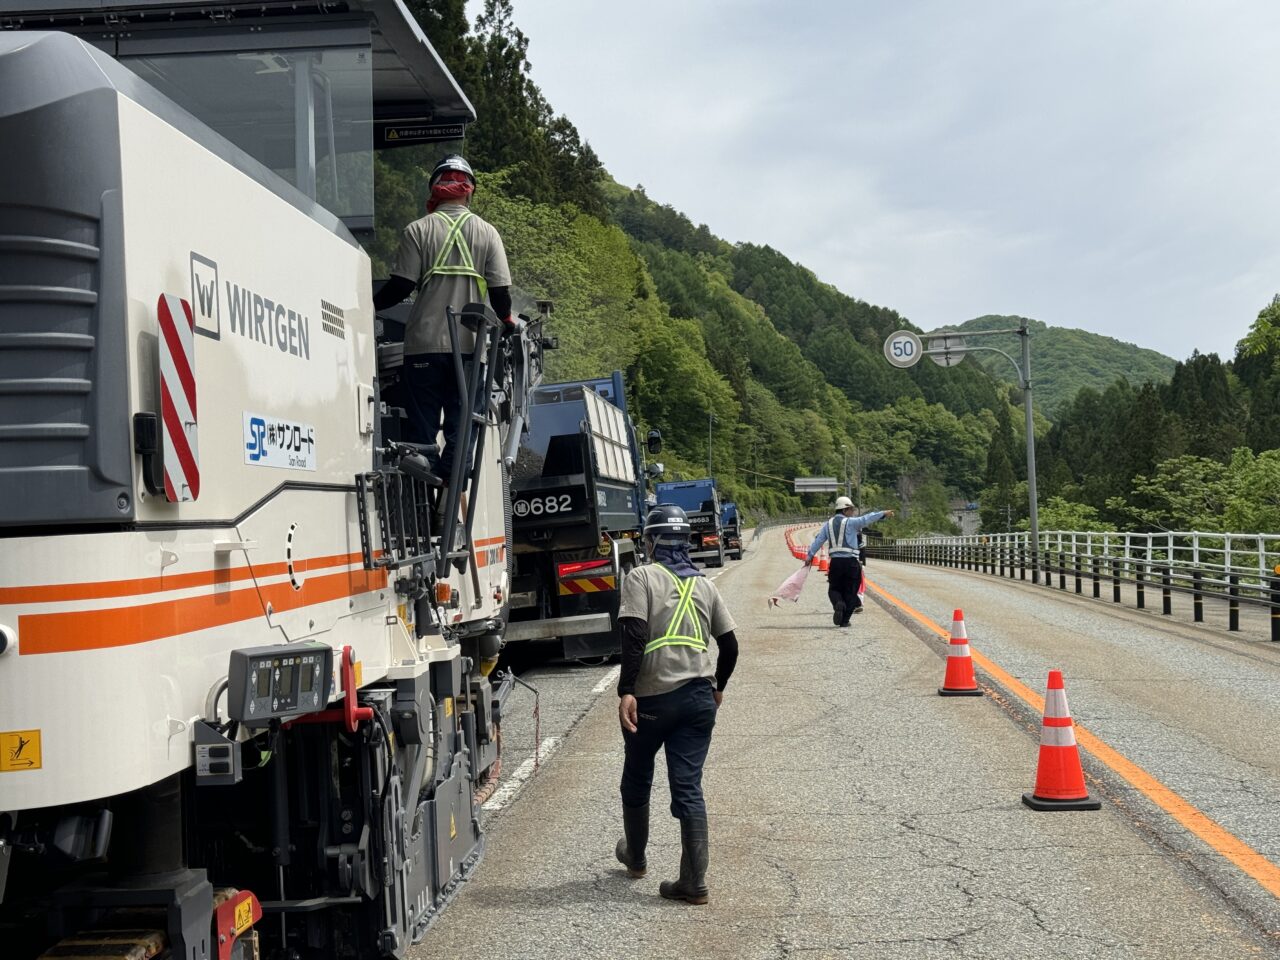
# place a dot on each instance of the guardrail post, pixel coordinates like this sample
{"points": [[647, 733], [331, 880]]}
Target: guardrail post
{"points": [[1115, 579], [1197, 597], [1062, 570], [1077, 565], [1022, 561], [1002, 563], [1142, 599], [1166, 595], [1095, 562], [1233, 602]]}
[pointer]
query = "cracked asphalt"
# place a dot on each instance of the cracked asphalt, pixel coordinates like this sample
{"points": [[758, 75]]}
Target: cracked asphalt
{"points": [[855, 813]]}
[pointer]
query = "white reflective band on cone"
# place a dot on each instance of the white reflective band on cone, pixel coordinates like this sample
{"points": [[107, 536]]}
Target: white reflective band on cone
{"points": [[958, 650], [958, 632], [1057, 736], [1055, 704]]}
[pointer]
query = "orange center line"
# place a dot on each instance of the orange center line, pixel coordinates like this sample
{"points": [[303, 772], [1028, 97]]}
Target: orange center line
{"points": [[1196, 821]]}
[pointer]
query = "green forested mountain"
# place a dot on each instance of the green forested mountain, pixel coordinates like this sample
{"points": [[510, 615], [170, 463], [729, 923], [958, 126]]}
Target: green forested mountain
{"points": [[742, 356], [1064, 360]]}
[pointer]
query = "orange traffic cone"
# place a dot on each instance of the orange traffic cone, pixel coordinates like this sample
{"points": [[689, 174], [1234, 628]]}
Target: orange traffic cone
{"points": [[1059, 776], [959, 680]]}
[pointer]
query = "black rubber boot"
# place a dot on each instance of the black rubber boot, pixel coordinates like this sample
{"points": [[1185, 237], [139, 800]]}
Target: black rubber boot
{"points": [[635, 837], [692, 885]]}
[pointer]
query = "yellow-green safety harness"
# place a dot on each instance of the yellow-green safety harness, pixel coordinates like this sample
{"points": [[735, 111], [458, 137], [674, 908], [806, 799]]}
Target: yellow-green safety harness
{"points": [[684, 610], [454, 240]]}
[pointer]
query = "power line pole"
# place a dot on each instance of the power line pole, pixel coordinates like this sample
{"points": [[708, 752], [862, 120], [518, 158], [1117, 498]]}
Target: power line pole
{"points": [[711, 418]]}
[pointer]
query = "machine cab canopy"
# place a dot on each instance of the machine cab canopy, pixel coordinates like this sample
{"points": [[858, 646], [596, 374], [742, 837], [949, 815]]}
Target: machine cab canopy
{"points": [[309, 90]]}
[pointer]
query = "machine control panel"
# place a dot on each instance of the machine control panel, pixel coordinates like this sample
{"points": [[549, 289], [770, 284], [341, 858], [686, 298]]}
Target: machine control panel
{"points": [[279, 682]]}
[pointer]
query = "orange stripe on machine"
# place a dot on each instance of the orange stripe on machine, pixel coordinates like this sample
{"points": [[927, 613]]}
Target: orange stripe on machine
{"points": [[125, 626], [107, 589]]}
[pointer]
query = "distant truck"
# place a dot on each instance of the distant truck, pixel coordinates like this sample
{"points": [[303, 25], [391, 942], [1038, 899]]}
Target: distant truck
{"points": [[731, 525], [701, 501], [577, 508]]}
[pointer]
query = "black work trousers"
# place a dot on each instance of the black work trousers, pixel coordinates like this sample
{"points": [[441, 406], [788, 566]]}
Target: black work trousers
{"points": [[432, 402], [681, 721], [843, 579]]}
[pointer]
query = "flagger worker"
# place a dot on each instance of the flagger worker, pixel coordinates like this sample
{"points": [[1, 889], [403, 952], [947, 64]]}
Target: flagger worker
{"points": [[841, 534], [451, 257], [678, 652]]}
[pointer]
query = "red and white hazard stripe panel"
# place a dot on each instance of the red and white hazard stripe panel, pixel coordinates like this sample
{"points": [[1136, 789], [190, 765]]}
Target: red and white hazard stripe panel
{"points": [[181, 452]]}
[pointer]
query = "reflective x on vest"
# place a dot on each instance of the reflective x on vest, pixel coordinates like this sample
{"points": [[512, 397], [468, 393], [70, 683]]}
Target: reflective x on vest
{"points": [[685, 610], [835, 535], [454, 240]]}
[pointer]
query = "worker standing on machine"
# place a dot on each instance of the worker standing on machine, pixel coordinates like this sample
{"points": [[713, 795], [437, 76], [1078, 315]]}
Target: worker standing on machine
{"points": [[841, 533], [671, 685], [451, 257]]}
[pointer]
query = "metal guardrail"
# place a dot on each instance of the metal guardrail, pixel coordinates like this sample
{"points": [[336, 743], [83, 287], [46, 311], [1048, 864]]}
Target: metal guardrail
{"points": [[1240, 568]]}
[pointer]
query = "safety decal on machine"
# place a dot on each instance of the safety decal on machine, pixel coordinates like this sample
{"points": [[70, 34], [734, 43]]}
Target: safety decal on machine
{"points": [[181, 451], [20, 750], [276, 442]]}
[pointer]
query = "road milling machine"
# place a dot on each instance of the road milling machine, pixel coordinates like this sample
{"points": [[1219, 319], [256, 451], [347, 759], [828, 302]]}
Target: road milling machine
{"points": [[245, 635]]}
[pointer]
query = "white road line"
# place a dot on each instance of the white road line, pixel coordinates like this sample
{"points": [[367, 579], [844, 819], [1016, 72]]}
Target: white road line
{"points": [[607, 681], [507, 792]]}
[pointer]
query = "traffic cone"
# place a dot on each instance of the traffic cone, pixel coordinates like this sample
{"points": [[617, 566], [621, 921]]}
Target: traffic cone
{"points": [[1059, 776], [824, 563], [959, 680]]}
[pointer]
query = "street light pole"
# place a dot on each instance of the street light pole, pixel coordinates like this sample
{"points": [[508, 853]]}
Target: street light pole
{"points": [[1025, 334], [848, 492]]}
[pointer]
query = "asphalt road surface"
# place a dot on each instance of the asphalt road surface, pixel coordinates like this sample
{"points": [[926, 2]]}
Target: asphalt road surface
{"points": [[855, 813]]}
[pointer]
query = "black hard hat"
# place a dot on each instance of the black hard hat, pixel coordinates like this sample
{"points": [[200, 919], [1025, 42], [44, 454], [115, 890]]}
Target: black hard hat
{"points": [[455, 163], [666, 518]]}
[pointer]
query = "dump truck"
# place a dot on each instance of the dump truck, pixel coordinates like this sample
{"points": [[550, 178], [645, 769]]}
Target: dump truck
{"points": [[731, 524], [577, 509], [700, 500]]}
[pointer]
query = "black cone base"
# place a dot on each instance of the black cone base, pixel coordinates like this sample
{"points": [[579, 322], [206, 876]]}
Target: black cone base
{"points": [[944, 692], [1038, 803]]}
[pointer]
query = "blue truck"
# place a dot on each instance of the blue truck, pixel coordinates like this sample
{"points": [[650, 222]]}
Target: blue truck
{"points": [[578, 491], [700, 500]]}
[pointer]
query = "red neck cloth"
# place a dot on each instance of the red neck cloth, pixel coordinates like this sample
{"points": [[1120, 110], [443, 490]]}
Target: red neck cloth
{"points": [[452, 187]]}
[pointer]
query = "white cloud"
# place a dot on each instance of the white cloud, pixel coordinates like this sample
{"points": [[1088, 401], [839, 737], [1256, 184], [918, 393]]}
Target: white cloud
{"points": [[1094, 164]]}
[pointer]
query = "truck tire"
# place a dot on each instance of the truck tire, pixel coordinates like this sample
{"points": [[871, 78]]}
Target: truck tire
{"points": [[719, 560]]}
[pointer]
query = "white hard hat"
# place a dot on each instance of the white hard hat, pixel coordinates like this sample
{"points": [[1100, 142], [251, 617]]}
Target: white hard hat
{"points": [[843, 503]]}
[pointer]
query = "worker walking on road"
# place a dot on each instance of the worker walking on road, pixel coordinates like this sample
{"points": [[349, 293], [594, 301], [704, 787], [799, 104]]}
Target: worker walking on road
{"points": [[841, 534], [671, 685], [451, 258]]}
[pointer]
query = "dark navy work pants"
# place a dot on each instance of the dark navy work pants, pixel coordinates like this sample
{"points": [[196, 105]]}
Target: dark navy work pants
{"points": [[432, 402], [681, 721], [843, 579]]}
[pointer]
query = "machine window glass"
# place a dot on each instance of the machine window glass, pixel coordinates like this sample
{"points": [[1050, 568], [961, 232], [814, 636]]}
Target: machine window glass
{"points": [[318, 136]]}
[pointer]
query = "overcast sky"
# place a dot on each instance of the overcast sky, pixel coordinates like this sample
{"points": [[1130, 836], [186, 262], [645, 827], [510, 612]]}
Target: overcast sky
{"points": [[1107, 165]]}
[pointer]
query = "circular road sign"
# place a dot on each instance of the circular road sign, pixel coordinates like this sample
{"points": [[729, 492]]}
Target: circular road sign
{"points": [[946, 350], [903, 349]]}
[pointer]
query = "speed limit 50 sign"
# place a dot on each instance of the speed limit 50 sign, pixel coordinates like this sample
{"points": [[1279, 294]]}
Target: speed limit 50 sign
{"points": [[903, 349]]}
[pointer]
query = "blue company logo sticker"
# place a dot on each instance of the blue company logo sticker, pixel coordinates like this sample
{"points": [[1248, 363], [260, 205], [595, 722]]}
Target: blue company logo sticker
{"points": [[277, 442]]}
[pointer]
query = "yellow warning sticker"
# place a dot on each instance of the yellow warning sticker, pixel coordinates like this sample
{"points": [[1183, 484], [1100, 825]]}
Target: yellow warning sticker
{"points": [[244, 915], [448, 706], [19, 750], [453, 827], [359, 670]]}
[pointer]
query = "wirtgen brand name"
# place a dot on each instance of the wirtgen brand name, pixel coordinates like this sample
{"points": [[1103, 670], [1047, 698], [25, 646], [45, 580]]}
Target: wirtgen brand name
{"points": [[249, 314]]}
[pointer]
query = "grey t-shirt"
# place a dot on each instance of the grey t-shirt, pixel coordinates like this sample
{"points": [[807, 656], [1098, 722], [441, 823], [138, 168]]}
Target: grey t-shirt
{"points": [[420, 244], [650, 594]]}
